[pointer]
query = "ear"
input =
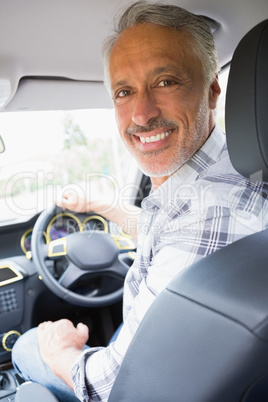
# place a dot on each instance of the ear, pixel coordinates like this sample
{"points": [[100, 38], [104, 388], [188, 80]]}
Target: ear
{"points": [[214, 93]]}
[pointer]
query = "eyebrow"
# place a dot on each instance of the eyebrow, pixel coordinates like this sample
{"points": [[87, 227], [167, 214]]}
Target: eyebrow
{"points": [[119, 84], [160, 70], [170, 68]]}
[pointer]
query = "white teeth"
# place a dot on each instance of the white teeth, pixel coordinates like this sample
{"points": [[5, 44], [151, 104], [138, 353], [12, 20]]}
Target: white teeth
{"points": [[155, 138]]}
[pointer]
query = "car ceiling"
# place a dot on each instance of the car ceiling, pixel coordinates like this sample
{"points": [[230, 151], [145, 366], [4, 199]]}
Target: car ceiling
{"points": [[50, 51]]}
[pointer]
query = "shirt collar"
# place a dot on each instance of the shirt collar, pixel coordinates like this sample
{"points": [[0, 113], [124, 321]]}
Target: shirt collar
{"points": [[206, 156]]}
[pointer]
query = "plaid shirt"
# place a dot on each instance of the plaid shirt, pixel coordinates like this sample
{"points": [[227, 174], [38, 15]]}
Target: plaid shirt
{"points": [[204, 206]]}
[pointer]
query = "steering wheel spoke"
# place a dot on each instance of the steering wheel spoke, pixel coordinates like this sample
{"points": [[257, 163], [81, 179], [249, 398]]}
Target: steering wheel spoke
{"points": [[57, 248], [71, 275], [119, 268]]}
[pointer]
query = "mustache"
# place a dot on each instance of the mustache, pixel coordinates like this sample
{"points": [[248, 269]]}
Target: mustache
{"points": [[153, 125]]}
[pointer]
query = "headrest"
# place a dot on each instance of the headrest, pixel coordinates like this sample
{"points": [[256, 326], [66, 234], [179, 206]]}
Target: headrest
{"points": [[246, 115]]}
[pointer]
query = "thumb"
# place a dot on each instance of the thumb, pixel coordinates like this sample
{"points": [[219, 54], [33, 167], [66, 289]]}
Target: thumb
{"points": [[83, 331]]}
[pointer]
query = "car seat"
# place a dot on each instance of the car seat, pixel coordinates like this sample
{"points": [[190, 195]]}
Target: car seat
{"points": [[205, 338]]}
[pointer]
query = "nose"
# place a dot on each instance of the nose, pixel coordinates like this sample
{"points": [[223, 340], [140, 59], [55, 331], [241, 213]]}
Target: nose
{"points": [[145, 108]]}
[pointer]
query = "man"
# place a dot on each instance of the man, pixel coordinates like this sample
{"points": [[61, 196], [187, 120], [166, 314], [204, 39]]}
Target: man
{"points": [[161, 69]]}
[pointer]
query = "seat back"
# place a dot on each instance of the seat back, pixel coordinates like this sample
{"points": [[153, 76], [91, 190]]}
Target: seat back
{"points": [[247, 105], [205, 338]]}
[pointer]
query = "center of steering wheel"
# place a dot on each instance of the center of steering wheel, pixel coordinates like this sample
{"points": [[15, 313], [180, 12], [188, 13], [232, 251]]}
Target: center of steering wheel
{"points": [[91, 250]]}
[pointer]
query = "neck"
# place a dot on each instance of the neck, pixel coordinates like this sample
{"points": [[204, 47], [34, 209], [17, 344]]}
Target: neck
{"points": [[158, 181]]}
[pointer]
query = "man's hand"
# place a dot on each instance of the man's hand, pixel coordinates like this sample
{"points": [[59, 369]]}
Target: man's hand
{"points": [[60, 343], [123, 214], [73, 201]]}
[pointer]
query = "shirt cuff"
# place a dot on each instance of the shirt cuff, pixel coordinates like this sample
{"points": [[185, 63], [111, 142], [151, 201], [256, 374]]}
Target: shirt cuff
{"points": [[78, 373]]}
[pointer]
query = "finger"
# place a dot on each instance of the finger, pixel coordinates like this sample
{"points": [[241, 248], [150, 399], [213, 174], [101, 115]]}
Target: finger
{"points": [[83, 330], [44, 324], [64, 322], [63, 198], [59, 202]]}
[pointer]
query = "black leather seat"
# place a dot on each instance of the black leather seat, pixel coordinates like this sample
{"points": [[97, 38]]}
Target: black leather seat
{"points": [[205, 338]]}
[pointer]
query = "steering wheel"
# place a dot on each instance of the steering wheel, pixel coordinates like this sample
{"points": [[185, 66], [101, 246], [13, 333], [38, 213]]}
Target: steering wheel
{"points": [[88, 254]]}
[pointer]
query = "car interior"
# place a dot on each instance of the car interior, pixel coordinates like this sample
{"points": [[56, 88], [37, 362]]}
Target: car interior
{"points": [[211, 321]]}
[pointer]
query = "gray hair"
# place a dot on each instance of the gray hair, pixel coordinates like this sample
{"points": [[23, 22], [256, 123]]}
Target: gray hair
{"points": [[173, 17]]}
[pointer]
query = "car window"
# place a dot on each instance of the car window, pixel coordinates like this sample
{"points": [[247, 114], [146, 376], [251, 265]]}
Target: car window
{"points": [[47, 151]]}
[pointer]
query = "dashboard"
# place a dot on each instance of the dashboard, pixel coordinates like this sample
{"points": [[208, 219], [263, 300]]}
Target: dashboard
{"points": [[66, 223]]}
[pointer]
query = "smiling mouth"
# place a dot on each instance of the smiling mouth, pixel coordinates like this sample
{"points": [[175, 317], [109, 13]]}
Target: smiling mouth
{"points": [[155, 138]]}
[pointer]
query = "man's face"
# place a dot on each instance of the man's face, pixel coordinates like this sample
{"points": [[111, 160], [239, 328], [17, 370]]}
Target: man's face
{"points": [[162, 104]]}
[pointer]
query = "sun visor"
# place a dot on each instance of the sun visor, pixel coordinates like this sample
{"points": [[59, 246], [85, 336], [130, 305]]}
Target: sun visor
{"points": [[9, 79], [58, 94]]}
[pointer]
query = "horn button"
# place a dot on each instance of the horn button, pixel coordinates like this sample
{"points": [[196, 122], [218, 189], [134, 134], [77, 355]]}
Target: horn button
{"points": [[91, 250]]}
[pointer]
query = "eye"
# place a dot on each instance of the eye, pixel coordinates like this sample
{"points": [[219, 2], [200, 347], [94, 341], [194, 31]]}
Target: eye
{"points": [[122, 94], [166, 83]]}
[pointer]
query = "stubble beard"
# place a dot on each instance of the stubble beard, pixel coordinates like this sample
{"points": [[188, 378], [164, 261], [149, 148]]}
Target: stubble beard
{"points": [[191, 143]]}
